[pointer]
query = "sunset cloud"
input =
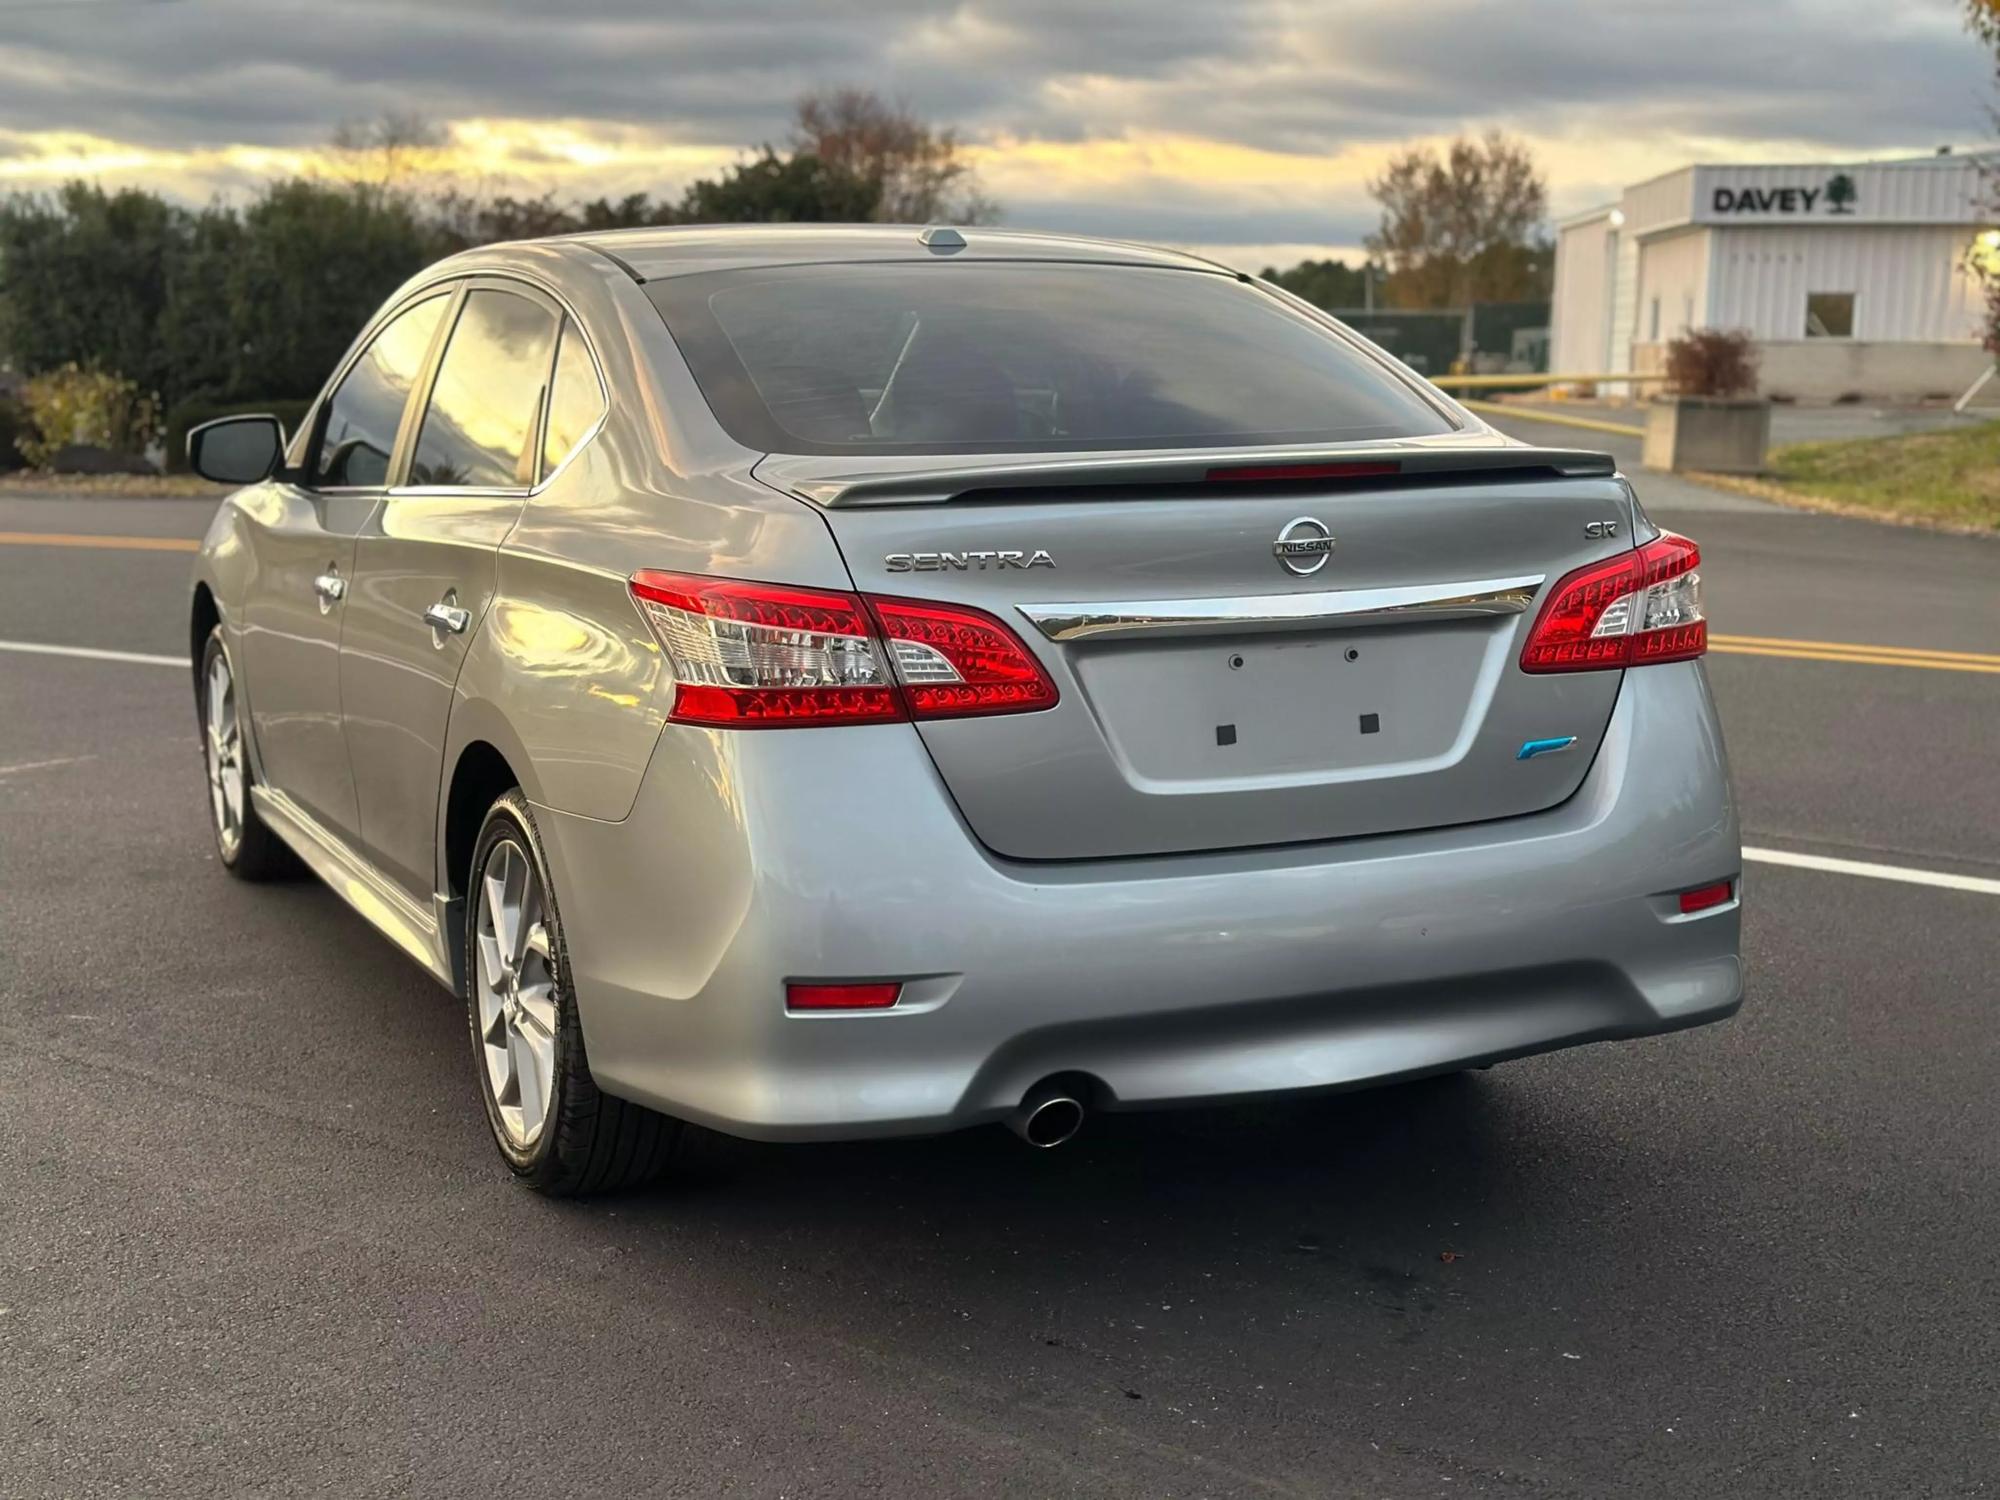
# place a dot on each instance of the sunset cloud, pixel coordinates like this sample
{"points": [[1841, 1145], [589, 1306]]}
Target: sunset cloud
{"points": [[1249, 129]]}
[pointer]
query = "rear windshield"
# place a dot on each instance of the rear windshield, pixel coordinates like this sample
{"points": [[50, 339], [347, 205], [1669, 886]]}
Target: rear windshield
{"points": [[988, 357]]}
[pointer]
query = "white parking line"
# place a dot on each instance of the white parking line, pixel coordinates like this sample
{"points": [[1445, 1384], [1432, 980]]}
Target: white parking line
{"points": [[1869, 871], [92, 653], [44, 765], [1862, 868]]}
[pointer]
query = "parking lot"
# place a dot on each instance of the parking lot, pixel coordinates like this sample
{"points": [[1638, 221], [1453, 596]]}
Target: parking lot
{"points": [[256, 1241]]}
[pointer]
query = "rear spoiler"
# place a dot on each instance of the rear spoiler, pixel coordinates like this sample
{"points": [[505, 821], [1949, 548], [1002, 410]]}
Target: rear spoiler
{"points": [[838, 483]]}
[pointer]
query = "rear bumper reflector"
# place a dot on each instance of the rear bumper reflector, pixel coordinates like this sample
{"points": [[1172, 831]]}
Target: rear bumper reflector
{"points": [[1703, 897], [841, 996]]}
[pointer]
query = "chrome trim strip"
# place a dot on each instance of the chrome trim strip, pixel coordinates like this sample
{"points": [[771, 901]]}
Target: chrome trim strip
{"points": [[1333, 609], [449, 285]]}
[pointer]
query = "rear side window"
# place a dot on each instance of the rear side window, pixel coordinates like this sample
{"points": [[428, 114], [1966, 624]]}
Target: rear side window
{"points": [[957, 357], [576, 399], [479, 426], [366, 410]]}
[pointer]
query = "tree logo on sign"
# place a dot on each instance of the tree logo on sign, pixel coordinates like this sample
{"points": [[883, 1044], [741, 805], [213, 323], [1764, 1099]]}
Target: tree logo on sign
{"points": [[1840, 194]]}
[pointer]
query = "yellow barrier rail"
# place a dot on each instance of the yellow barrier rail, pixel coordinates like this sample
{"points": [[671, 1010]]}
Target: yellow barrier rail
{"points": [[1558, 418], [1527, 379]]}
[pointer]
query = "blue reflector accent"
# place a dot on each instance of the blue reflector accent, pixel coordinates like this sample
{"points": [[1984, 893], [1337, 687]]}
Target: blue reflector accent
{"points": [[1530, 749]]}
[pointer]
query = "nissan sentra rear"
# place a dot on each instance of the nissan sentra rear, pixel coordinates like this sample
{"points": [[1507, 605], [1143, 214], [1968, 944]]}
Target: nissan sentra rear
{"points": [[1210, 708]]}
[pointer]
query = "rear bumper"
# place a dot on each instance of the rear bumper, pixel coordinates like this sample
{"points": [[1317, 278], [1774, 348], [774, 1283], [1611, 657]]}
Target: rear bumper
{"points": [[751, 859]]}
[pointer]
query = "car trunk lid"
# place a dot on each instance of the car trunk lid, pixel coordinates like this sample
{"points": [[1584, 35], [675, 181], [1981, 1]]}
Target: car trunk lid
{"points": [[1246, 657]]}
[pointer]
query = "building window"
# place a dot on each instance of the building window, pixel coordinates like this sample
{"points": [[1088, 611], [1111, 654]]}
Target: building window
{"points": [[1654, 336], [1829, 315]]}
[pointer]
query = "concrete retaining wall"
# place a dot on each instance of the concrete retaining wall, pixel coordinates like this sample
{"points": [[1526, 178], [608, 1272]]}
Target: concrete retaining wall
{"points": [[1833, 369]]}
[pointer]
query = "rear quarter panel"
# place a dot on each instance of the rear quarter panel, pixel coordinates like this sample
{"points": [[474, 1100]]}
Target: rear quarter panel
{"points": [[565, 669]]}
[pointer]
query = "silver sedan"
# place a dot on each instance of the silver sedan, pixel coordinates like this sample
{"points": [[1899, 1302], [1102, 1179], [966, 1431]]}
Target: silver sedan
{"points": [[840, 682]]}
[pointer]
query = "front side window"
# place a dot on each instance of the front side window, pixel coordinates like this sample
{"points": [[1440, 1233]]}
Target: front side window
{"points": [[479, 426], [986, 356], [1829, 315], [576, 399], [367, 408]]}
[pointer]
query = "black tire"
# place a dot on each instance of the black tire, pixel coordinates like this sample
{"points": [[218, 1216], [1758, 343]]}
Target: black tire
{"points": [[255, 853], [590, 1141]]}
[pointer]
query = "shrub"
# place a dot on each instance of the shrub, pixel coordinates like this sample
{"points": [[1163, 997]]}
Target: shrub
{"points": [[93, 407], [313, 263], [191, 414], [86, 279], [13, 423], [1711, 362]]}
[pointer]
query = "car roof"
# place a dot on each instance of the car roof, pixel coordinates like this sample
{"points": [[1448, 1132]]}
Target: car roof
{"points": [[653, 254]]}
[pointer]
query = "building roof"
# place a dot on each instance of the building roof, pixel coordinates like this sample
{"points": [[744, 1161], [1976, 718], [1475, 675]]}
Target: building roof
{"points": [[1602, 211], [1983, 156]]}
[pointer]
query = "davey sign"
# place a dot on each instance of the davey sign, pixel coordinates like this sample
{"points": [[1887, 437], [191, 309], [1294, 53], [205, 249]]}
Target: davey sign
{"points": [[1836, 196]]}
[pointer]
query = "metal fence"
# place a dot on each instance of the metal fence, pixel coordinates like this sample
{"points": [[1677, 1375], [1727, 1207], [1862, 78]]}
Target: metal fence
{"points": [[1487, 337]]}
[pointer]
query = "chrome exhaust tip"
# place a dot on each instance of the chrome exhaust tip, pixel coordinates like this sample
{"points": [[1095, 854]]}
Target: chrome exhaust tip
{"points": [[1047, 1117]]}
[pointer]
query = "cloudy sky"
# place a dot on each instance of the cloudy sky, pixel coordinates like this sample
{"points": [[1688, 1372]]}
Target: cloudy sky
{"points": [[1246, 127]]}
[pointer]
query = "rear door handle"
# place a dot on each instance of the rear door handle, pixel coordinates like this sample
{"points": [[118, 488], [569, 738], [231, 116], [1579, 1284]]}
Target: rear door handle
{"points": [[442, 616], [331, 588]]}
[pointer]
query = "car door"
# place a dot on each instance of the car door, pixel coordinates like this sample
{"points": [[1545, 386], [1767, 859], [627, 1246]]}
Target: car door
{"points": [[425, 564], [303, 531]]}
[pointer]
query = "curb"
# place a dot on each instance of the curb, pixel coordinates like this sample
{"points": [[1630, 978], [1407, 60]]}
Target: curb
{"points": [[1777, 494]]}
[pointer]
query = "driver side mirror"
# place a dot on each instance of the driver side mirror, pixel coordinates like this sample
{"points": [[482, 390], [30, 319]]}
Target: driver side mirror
{"points": [[237, 450]]}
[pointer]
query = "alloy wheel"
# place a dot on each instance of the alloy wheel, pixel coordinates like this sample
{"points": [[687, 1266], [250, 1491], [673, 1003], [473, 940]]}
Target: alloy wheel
{"points": [[516, 993], [223, 755]]}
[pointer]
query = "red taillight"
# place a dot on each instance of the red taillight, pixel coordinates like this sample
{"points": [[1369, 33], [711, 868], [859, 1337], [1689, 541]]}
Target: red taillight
{"points": [[954, 662], [760, 656], [1632, 610], [841, 996], [1369, 469], [1705, 897]]}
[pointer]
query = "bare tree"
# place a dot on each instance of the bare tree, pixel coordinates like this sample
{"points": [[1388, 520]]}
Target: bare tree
{"points": [[921, 170], [1982, 19], [389, 149], [1463, 227]]}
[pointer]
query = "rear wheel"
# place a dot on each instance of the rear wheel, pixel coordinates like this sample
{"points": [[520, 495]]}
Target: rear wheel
{"points": [[248, 850], [555, 1128]]}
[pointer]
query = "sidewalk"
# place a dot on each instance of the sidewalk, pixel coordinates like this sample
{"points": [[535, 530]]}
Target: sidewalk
{"points": [[1789, 424], [22, 482]]}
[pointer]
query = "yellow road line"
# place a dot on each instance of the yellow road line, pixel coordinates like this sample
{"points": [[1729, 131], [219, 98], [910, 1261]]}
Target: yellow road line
{"points": [[1789, 643], [1528, 378], [1588, 424], [87, 539], [1857, 658]]}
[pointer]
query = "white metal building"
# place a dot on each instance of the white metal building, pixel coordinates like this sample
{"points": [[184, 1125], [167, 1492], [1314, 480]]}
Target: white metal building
{"points": [[1852, 279]]}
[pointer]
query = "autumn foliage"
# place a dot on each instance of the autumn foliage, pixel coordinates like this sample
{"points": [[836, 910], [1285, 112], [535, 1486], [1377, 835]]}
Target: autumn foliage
{"points": [[1711, 362], [1464, 226]]}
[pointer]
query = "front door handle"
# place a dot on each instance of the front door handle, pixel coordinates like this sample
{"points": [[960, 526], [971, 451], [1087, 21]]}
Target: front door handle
{"points": [[331, 588], [443, 616]]}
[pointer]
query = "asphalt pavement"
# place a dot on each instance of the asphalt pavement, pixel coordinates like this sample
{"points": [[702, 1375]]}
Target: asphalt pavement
{"points": [[255, 1240]]}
